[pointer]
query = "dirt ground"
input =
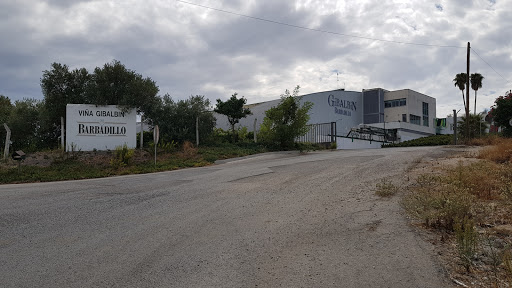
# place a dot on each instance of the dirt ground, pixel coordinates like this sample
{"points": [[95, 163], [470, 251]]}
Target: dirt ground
{"points": [[46, 158], [482, 273]]}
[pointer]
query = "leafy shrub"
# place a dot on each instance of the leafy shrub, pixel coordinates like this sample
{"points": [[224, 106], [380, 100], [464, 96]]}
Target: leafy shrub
{"points": [[148, 138], [122, 156], [434, 140], [168, 147], [219, 136], [308, 146], [242, 134]]}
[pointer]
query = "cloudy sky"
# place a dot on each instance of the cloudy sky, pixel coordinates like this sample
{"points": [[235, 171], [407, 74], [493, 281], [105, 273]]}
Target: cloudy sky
{"points": [[189, 49]]}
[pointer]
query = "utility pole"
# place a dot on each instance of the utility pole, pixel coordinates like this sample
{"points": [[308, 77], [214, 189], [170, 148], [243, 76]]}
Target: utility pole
{"points": [[454, 127], [467, 95]]}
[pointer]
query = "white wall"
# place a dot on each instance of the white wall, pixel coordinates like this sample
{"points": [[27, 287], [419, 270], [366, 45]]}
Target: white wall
{"points": [[90, 127], [414, 106], [342, 107]]}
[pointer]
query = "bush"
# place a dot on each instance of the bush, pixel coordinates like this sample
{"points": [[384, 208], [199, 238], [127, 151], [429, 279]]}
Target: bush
{"points": [[148, 138], [385, 189], [189, 151], [122, 156], [434, 140]]}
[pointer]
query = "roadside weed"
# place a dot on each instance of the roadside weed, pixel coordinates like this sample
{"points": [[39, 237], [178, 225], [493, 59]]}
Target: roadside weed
{"points": [[385, 189]]}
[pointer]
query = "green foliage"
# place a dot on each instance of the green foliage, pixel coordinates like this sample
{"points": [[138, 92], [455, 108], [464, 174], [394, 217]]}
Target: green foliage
{"points": [[502, 113], [234, 109], [433, 140], [122, 157], [25, 125], [61, 86], [177, 120], [148, 138], [476, 83], [460, 82], [113, 84], [229, 150], [219, 136], [477, 126], [167, 147], [82, 168], [304, 147], [285, 122], [242, 134]]}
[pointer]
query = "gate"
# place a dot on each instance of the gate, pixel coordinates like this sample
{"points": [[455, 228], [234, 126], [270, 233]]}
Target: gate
{"points": [[321, 133]]}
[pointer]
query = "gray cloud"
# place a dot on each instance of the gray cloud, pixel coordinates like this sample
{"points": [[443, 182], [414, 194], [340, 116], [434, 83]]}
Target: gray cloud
{"points": [[191, 50]]}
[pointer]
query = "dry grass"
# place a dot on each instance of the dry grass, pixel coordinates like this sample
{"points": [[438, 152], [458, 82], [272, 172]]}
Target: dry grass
{"points": [[469, 206], [386, 189], [486, 141], [189, 151], [499, 152]]}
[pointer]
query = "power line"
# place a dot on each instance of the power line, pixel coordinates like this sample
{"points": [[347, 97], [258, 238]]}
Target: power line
{"points": [[337, 33], [488, 64], [318, 30]]}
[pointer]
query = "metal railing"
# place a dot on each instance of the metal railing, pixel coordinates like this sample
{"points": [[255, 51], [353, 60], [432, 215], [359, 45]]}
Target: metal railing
{"points": [[319, 133]]}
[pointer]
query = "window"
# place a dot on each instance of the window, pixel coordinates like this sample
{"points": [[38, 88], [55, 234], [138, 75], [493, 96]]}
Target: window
{"points": [[425, 114], [415, 119], [404, 117], [425, 121], [395, 103]]}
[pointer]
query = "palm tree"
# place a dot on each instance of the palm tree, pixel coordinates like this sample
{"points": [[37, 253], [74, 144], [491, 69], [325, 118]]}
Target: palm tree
{"points": [[460, 81], [476, 83]]}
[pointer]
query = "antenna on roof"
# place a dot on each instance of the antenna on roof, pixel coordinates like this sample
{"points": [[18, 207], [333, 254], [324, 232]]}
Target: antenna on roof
{"points": [[337, 80]]}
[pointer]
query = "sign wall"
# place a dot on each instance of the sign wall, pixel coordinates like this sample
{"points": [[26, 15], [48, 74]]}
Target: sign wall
{"points": [[90, 127]]}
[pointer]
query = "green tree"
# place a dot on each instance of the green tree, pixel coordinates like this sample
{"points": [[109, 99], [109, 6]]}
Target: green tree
{"points": [[177, 119], [460, 82], [285, 122], [476, 83], [24, 124], [114, 84], [501, 113], [234, 109], [60, 87], [477, 126]]}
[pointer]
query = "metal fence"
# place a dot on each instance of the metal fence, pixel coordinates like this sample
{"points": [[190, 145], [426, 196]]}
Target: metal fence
{"points": [[319, 133]]}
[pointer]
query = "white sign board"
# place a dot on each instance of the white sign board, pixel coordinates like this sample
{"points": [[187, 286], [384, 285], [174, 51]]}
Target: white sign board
{"points": [[90, 127]]}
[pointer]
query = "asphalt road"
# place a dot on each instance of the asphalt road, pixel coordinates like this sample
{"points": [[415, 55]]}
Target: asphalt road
{"points": [[274, 220]]}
